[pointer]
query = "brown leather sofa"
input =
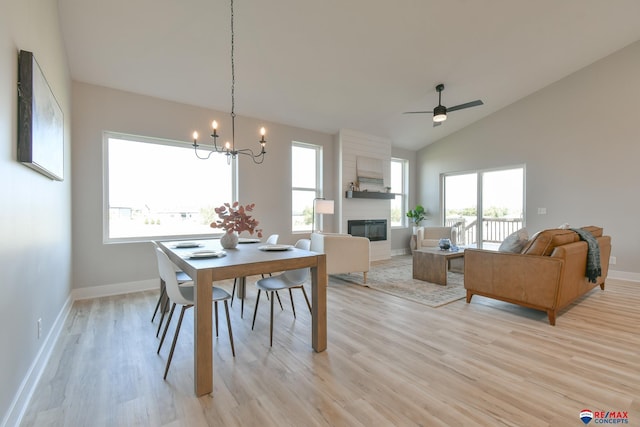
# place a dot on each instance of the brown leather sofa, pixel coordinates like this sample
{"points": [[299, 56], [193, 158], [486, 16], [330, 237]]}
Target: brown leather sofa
{"points": [[548, 275]]}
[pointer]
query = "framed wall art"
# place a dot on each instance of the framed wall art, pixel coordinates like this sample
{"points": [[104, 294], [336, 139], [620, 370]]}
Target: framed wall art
{"points": [[40, 121]]}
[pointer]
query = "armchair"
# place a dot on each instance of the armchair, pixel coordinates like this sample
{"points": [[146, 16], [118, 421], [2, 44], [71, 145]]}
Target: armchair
{"points": [[429, 236], [345, 253]]}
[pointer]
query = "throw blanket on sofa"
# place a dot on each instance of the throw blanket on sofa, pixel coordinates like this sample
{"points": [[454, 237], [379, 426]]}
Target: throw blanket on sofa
{"points": [[594, 268]]}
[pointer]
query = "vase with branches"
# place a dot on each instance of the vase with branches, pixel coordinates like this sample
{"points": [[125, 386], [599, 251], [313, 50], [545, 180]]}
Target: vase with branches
{"points": [[234, 219]]}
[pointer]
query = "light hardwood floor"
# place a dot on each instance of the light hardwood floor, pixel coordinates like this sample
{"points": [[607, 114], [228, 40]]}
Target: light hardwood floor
{"points": [[389, 362]]}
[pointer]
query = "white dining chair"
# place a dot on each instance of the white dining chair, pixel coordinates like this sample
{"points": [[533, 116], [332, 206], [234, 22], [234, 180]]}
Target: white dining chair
{"points": [[271, 240], [291, 279], [183, 295], [181, 277]]}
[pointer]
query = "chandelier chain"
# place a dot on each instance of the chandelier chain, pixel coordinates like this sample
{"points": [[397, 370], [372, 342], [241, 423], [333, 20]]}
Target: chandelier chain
{"points": [[233, 82], [229, 149]]}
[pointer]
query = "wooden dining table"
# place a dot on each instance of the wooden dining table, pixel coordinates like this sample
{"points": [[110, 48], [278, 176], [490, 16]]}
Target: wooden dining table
{"points": [[243, 261]]}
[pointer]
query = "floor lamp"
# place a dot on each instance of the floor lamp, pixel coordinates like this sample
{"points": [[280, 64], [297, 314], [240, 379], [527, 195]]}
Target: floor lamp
{"points": [[320, 206]]}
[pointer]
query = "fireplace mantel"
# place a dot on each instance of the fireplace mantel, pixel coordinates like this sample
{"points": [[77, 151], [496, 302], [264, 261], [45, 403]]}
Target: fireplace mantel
{"points": [[369, 195]]}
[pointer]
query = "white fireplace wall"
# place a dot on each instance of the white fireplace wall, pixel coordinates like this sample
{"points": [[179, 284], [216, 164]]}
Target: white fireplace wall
{"points": [[351, 145]]}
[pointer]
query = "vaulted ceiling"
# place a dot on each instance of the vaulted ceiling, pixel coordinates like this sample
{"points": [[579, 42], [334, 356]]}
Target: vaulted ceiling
{"points": [[353, 64]]}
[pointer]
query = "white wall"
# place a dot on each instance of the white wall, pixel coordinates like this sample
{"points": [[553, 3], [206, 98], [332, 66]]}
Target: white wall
{"points": [[35, 212], [580, 141], [96, 109]]}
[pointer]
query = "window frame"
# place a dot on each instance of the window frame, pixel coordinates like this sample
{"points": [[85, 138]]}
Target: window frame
{"points": [[318, 190], [480, 194], [404, 204], [106, 135]]}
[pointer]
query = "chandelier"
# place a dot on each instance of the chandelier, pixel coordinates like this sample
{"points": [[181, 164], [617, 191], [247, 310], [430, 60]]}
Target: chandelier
{"points": [[229, 148]]}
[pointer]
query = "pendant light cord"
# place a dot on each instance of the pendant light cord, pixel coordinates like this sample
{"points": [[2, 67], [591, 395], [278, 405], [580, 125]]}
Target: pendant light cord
{"points": [[233, 85]]}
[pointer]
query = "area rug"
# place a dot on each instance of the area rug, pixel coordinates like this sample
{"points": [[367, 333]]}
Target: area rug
{"points": [[395, 277]]}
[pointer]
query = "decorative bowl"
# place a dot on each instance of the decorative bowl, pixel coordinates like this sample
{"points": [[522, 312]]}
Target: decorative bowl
{"points": [[445, 244]]}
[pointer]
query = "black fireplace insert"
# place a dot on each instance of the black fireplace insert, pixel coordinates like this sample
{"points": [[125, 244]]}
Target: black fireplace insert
{"points": [[373, 229]]}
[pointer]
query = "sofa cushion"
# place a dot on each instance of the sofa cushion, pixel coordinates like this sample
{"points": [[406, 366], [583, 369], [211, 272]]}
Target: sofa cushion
{"points": [[543, 242], [515, 242]]}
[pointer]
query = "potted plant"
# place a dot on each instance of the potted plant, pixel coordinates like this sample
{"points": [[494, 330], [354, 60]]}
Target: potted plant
{"points": [[416, 216], [234, 219]]}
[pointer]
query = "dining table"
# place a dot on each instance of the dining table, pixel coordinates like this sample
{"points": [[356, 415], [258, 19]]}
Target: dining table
{"points": [[240, 262]]}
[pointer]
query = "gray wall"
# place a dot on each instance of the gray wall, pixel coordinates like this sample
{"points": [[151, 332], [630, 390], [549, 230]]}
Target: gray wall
{"points": [[96, 109], [35, 213], [580, 141]]}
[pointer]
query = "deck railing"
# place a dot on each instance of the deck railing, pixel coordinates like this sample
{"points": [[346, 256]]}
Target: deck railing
{"points": [[494, 230]]}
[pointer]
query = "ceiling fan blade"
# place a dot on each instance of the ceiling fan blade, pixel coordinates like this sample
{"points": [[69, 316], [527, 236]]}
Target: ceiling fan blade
{"points": [[467, 105], [418, 112], [436, 124]]}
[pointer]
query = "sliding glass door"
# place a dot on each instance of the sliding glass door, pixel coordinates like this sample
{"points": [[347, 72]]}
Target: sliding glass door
{"points": [[484, 207]]}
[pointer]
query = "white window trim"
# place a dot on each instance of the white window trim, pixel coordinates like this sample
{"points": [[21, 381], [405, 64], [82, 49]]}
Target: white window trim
{"points": [[405, 194], [105, 187], [319, 180]]}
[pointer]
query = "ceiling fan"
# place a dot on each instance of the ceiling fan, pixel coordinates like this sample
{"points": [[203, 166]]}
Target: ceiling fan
{"points": [[440, 112]]}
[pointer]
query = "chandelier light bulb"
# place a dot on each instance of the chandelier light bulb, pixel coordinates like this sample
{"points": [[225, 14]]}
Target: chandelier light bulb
{"points": [[195, 135], [214, 125]]}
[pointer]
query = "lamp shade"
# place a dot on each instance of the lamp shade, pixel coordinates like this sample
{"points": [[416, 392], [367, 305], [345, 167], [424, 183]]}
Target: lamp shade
{"points": [[324, 206]]}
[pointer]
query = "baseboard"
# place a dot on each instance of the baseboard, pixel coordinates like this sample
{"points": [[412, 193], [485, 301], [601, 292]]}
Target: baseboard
{"points": [[398, 252], [30, 382], [623, 275], [115, 289]]}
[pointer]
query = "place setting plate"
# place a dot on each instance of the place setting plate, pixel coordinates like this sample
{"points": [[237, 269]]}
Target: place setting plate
{"points": [[275, 247], [184, 245], [243, 240], [206, 254]]}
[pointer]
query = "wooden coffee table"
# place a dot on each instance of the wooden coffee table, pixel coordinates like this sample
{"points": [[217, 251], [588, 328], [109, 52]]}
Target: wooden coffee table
{"points": [[432, 264]]}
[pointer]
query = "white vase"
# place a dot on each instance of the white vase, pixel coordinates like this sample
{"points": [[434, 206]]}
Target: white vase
{"points": [[229, 240]]}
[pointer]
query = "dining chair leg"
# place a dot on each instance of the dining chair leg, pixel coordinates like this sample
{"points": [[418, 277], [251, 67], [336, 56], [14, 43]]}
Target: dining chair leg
{"points": [[164, 312], [306, 298], [242, 308], [235, 280], [271, 324], [215, 308], [293, 307], [175, 339], [255, 310], [164, 334], [163, 292], [226, 310], [279, 302]]}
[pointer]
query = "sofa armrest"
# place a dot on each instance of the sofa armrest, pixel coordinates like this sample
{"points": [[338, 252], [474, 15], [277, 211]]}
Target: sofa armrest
{"points": [[525, 279]]}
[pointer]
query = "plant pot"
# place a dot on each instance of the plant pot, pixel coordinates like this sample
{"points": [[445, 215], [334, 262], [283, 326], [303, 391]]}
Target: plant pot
{"points": [[229, 240]]}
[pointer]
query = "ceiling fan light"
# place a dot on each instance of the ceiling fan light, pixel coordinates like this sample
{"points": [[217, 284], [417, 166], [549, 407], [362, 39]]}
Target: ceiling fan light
{"points": [[440, 113]]}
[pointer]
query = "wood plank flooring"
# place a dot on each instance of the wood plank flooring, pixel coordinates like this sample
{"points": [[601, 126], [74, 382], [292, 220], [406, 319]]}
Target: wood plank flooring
{"points": [[389, 362]]}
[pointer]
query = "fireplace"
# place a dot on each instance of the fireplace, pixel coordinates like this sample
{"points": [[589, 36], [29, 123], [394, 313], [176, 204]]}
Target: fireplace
{"points": [[373, 229]]}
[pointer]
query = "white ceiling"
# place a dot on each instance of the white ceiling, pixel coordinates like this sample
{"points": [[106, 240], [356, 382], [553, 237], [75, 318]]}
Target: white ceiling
{"points": [[343, 64]]}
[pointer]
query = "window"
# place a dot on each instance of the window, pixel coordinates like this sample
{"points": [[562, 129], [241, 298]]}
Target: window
{"points": [[157, 188], [399, 186], [306, 185], [484, 206]]}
